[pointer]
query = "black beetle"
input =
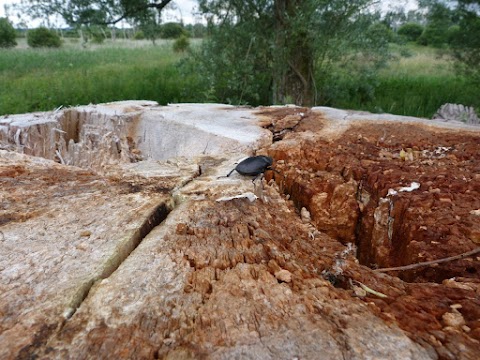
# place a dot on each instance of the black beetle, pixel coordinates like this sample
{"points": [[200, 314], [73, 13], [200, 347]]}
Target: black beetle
{"points": [[253, 166]]}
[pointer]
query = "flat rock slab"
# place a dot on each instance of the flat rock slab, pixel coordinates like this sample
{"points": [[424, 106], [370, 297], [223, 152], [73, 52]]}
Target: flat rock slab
{"points": [[96, 136], [149, 251], [61, 230]]}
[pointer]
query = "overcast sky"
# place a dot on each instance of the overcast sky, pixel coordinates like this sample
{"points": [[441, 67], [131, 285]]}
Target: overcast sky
{"points": [[186, 9]]}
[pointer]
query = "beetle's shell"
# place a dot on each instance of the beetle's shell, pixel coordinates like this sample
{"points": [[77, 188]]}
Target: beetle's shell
{"points": [[254, 165]]}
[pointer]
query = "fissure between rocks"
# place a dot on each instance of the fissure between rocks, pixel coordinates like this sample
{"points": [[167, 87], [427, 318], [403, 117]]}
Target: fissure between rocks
{"points": [[155, 218], [382, 218]]}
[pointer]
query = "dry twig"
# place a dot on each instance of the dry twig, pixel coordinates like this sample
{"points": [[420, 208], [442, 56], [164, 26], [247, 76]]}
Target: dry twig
{"points": [[433, 262], [369, 290]]}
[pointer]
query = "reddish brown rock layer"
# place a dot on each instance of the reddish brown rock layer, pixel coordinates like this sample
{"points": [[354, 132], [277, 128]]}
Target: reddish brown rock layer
{"points": [[344, 184]]}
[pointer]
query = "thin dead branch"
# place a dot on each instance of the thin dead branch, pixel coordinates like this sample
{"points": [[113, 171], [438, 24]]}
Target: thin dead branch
{"points": [[433, 262], [368, 289]]}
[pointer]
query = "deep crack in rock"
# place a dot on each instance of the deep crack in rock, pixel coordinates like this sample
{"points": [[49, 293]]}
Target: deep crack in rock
{"points": [[155, 218]]}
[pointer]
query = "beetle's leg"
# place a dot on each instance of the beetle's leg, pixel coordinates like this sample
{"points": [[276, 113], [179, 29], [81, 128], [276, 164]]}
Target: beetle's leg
{"points": [[260, 175], [230, 173], [226, 175]]}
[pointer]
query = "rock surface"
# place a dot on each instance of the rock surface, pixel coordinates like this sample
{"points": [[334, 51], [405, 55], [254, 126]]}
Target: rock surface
{"points": [[457, 112], [147, 251]]}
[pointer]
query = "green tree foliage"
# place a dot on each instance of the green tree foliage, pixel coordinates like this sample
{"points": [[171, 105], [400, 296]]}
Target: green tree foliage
{"points": [[43, 37], [465, 41], [411, 31], [461, 29], [98, 33], [196, 30], [149, 25], [378, 31], [284, 51], [172, 30], [139, 35], [440, 18], [181, 44], [394, 19], [7, 34], [84, 14], [452, 34], [88, 12]]}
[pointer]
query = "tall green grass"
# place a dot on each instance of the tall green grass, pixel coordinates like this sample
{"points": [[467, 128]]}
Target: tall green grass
{"points": [[416, 82], [421, 95], [33, 80]]}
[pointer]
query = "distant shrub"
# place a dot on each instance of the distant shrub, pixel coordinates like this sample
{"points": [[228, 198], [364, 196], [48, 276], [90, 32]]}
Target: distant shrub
{"points": [[7, 34], [172, 30], [399, 39], [98, 34], [181, 44], [453, 34], [411, 31], [139, 35], [380, 32], [97, 38], [405, 52], [422, 40], [70, 33], [43, 37], [435, 34]]}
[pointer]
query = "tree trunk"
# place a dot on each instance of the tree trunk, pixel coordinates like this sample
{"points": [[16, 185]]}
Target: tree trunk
{"points": [[294, 56]]}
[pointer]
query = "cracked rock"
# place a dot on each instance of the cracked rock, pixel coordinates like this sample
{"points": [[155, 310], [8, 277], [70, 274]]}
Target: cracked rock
{"points": [[113, 243]]}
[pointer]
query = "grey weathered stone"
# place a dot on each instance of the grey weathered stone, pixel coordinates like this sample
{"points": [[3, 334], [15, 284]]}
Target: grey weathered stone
{"points": [[457, 112]]}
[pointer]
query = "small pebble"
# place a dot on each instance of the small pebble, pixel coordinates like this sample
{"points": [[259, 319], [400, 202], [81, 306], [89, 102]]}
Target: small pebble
{"points": [[305, 215], [284, 275]]}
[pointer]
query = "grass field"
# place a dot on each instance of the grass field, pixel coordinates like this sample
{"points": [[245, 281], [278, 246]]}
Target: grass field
{"points": [[44, 79], [416, 82]]}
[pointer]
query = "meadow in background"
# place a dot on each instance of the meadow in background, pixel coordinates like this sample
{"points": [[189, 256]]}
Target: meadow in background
{"points": [[416, 80], [43, 79]]}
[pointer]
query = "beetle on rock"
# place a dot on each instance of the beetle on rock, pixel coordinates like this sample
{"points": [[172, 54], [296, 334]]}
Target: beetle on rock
{"points": [[253, 166]]}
